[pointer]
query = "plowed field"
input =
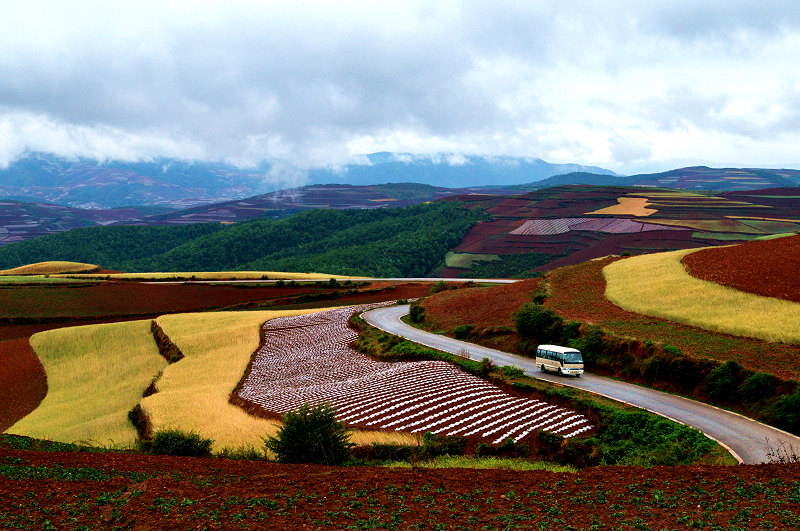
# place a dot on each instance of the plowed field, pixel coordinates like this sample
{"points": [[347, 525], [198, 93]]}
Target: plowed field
{"points": [[770, 268], [306, 359], [76, 490], [23, 383]]}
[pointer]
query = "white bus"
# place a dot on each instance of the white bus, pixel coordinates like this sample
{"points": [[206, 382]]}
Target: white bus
{"points": [[564, 360]]}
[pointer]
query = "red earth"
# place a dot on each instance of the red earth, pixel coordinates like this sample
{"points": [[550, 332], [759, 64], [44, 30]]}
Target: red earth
{"points": [[69, 490], [769, 267], [23, 384]]}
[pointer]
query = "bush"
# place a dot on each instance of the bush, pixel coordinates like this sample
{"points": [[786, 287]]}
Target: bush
{"points": [[722, 383], [462, 331], [177, 442], [441, 285], [591, 344], [786, 412], [417, 313], [485, 368], [513, 372], [534, 321], [758, 386], [435, 445], [311, 435]]}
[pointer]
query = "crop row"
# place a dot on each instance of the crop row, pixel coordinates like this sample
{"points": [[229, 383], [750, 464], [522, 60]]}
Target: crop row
{"points": [[545, 227], [307, 359]]}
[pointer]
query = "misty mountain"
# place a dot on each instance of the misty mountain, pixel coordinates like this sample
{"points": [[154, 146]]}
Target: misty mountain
{"points": [[177, 184]]}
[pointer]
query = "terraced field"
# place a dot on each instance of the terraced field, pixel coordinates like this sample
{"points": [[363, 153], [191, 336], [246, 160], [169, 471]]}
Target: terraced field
{"points": [[307, 359]]}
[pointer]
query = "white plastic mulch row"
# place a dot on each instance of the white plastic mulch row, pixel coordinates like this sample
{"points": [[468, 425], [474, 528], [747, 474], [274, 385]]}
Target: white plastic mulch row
{"points": [[306, 359], [547, 227]]}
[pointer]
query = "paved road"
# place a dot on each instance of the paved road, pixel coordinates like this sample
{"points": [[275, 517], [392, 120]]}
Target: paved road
{"points": [[747, 439]]}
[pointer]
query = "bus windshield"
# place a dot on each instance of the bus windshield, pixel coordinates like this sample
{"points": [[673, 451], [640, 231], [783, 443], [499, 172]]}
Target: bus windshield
{"points": [[573, 357]]}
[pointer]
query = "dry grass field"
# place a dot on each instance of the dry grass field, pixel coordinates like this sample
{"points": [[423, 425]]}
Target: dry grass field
{"points": [[95, 375], [50, 268], [628, 206], [658, 285]]}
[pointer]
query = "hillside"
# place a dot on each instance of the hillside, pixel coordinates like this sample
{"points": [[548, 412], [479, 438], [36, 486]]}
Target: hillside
{"points": [[385, 242], [692, 178], [548, 228]]}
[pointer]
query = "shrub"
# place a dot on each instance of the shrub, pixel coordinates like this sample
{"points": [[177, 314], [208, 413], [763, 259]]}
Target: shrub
{"points": [[786, 412], [591, 344], [311, 435], [513, 372], [462, 331], [535, 321], [177, 442], [435, 445], [441, 285], [722, 383], [417, 313], [570, 332], [485, 368], [758, 386]]}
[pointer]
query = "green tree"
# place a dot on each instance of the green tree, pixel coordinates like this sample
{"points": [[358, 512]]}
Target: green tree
{"points": [[311, 435]]}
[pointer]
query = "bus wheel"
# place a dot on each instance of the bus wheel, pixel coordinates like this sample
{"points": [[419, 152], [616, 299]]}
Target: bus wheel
{"points": [[559, 372], [541, 368]]}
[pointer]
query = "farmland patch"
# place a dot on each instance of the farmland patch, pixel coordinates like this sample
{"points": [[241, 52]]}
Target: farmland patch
{"points": [[543, 227], [95, 375], [466, 260], [49, 268], [658, 285], [306, 359], [628, 206], [767, 268]]}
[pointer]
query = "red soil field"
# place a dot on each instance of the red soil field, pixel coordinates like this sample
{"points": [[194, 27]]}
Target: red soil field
{"points": [[480, 307], [578, 292], [23, 384], [769, 267], [194, 493]]}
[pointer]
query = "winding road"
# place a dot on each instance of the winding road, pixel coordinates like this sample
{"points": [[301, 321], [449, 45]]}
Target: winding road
{"points": [[749, 441]]}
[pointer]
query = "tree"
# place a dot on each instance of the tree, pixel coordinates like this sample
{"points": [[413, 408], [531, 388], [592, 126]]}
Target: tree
{"points": [[311, 435]]}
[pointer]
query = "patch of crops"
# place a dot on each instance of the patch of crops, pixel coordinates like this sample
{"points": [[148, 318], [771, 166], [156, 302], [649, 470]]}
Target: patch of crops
{"points": [[306, 359], [544, 227]]}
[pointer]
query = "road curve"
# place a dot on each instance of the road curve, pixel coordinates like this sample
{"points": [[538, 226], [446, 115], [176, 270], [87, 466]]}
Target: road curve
{"points": [[748, 440]]}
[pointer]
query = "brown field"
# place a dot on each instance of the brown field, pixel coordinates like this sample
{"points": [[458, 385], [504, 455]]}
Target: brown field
{"points": [[23, 383], [769, 267], [157, 492]]}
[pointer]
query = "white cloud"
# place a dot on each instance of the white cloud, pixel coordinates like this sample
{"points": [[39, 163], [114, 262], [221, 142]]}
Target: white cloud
{"points": [[618, 84]]}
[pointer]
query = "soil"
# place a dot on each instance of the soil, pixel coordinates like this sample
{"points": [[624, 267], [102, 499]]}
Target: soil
{"points": [[69, 490], [767, 268], [23, 383]]}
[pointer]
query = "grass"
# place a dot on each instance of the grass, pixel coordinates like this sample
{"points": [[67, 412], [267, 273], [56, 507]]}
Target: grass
{"points": [[215, 275], [50, 268], [193, 393], [709, 225], [95, 375], [628, 206], [465, 260], [658, 285], [483, 463]]}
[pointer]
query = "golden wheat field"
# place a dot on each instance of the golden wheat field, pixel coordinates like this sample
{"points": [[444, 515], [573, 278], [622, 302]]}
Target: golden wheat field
{"points": [[658, 285]]}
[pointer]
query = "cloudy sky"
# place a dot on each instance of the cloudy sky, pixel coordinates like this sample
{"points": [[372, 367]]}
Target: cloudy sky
{"points": [[627, 85]]}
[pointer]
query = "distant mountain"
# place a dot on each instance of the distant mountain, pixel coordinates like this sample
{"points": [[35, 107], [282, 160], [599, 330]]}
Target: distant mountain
{"points": [[178, 184], [90, 184], [448, 170], [692, 178]]}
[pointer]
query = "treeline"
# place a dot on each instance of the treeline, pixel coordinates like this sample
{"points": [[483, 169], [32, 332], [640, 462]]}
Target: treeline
{"points": [[382, 242]]}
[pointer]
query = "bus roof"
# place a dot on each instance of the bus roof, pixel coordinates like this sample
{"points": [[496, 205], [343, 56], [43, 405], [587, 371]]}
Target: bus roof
{"points": [[557, 348]]}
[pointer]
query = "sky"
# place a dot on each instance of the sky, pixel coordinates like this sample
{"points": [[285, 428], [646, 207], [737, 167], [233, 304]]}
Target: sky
{"points": [[630, 86]]}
